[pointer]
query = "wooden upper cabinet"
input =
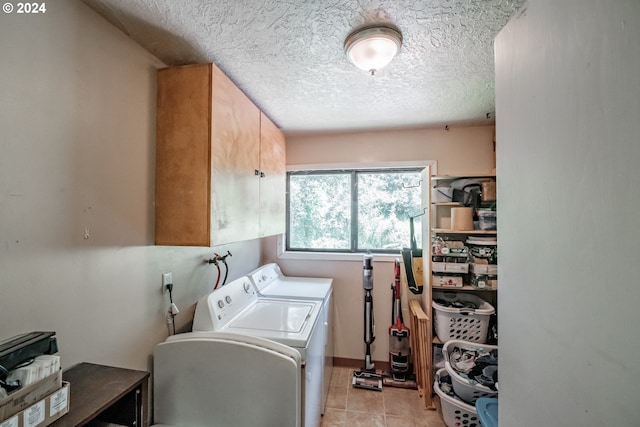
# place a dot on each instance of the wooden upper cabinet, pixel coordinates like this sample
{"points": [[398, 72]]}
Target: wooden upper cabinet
{"points": [[208, 162], [235, 156], [273, 178]]}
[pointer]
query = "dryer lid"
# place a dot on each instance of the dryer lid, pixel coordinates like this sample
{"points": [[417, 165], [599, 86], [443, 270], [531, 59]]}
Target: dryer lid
{"points": [[298, 287]]}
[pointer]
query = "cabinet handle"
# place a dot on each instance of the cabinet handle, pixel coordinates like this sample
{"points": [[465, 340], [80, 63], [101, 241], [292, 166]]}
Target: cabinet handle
{"points": [[262, 175], [256, 172]]}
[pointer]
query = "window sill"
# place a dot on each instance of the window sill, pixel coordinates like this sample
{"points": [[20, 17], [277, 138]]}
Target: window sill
{"points": [[329, 256], [335, 256]]}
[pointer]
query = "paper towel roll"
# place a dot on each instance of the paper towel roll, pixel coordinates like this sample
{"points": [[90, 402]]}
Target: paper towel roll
{"points": [[462, 219]]}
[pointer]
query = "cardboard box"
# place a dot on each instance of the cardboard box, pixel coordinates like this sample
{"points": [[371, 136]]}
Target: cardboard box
{"points": [[488, 269], [447, 281], [27, 396], [450, 267], [43, 412], [484, 281]]}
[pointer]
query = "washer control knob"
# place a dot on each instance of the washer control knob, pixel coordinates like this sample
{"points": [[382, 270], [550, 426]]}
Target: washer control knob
{"points": [[227, 299], [220, 303]]}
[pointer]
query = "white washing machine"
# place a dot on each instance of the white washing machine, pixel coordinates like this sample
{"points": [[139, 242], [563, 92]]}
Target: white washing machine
{"points": [[237, 309], [271, 283]]}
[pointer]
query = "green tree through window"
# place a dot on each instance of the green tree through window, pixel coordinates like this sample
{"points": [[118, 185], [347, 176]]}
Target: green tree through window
{"points": [[352, 210]]}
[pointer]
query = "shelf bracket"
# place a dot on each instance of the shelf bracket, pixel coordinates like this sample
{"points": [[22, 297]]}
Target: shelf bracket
{"points": [[412, 186]]}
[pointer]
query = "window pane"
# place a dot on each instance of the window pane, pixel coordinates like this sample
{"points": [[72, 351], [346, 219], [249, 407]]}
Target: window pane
{"points": [[320, 211], [384, 208]]}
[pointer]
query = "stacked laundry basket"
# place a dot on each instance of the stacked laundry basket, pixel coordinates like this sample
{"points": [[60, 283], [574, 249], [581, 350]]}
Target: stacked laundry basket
{"points": [[461, 322]]}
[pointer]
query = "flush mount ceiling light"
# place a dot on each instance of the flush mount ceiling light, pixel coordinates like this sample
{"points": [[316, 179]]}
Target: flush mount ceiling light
{"points": [[372, 48]]}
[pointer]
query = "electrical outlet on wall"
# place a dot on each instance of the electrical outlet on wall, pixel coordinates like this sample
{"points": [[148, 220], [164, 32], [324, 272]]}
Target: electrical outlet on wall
{"points": [[167, 279]]}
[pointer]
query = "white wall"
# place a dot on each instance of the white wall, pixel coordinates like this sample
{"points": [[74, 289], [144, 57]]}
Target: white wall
{"points": [[568, 110], [77, 156], [461, 150]]}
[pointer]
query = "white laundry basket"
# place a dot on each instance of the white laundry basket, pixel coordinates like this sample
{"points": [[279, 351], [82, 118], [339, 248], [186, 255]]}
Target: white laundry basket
{"points": [[455, 412], [468, 390], [461, 323]]}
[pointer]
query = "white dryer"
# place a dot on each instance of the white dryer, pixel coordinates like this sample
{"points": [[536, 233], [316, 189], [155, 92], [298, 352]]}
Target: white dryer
{"points": [[237, 309], [203, 379], [272, 283]]}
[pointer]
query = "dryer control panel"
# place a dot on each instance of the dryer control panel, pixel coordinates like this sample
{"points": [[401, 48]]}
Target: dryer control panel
{"points": [[265, 275], [215, 310]]}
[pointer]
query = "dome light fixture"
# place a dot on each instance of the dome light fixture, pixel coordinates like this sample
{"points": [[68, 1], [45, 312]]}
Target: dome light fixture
{"points": [[372, 48]]}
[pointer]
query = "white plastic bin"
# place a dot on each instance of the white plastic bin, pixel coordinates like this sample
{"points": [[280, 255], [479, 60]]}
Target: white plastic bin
{"points": [[487, 220], [461, 323], [441, 194], [454, 411], [468, 390]]}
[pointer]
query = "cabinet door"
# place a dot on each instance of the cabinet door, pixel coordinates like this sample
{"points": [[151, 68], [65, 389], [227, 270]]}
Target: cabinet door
{"points": [[182, 156], [235, 146], [273, 178]]}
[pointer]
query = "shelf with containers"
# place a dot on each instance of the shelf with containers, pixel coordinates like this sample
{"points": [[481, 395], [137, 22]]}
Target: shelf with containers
{"points": [[463, 261]]}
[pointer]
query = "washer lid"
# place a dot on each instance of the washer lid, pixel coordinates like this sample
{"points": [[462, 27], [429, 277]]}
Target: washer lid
{"points": [[275, 316], [285, 321]]}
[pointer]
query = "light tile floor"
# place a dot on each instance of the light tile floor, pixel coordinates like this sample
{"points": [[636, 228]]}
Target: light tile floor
{"points": [[393, 407]]}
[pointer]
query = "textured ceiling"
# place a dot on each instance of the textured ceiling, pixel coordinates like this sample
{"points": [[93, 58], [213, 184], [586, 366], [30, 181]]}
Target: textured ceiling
{"points": [[287, 56]]}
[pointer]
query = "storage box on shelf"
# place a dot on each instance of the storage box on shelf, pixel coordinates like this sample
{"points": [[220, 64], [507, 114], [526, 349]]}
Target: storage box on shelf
{"points": [[483, 275], [447, 281], [468, 389], [442, 194], [449, 265], [43, 412], [26, 396], [32, 386], [449, 262], [463, 269], [478, 267], [484, 281], [484, 258], [487, 219]]}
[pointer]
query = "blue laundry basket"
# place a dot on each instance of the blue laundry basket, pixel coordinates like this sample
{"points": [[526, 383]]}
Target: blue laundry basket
{"points": [[487, 409]]}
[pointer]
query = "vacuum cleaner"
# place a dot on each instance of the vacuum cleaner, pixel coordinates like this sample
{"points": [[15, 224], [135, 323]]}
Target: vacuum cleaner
{"points": [[399, 345], [367, 378]]}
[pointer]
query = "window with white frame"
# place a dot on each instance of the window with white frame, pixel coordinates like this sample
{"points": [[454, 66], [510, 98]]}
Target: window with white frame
{"points": [[352, 210]]}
